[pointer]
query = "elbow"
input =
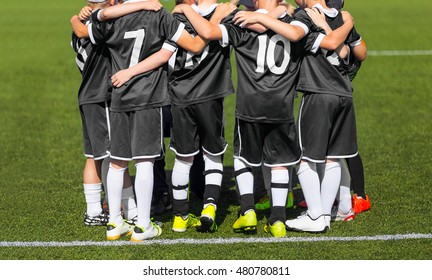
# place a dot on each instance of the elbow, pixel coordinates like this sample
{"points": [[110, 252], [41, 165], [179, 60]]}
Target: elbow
{"points": [[196, 50], [80, 35], [296, 38], [207, 35], [361, 57], [332, 45]]}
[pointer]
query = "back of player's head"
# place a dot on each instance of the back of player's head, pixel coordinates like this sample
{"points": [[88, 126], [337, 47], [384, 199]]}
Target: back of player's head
{"points": [[98, 3], [337, 4]]}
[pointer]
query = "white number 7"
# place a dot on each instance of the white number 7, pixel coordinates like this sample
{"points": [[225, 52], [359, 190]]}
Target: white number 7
{"points": [[138, 35]]}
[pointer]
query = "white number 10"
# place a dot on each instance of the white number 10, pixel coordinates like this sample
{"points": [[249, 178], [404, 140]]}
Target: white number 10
{"points": [[268, 54]]}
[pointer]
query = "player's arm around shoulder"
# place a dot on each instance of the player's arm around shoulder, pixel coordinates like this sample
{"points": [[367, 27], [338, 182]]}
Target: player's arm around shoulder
{"points": [[78, 27], [338, 36], [117, 11]]}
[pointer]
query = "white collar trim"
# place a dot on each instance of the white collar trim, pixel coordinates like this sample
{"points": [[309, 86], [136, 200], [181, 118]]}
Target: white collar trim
{"points": [[205, 12], [330, 13]]}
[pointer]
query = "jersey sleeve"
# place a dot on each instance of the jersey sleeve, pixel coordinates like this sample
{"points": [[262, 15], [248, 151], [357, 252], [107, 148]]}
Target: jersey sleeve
{"points": [[312, 41], [170, 28], [231, 33], [353, 39], [99, 30], [302, 20]]}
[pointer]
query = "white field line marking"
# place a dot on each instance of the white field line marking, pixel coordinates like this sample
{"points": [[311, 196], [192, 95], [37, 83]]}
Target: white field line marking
{"points": [[400, 53], [215, 241]]}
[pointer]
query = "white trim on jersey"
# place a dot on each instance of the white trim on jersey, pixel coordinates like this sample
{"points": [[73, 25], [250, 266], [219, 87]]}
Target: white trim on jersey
{"points": [[356, 43], [204, 12], [225, 39], [330, 13], [316, 45], [169, 47], [178, 33], [300, 24], [79, 63], [90, 31]]}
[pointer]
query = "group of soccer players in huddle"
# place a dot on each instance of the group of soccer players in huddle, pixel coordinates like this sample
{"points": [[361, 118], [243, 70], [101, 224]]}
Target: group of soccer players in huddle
{"points": [[137, 58]]}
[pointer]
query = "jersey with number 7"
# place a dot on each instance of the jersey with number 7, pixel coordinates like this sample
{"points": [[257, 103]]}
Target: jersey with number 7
{"points": [[131, 39]]}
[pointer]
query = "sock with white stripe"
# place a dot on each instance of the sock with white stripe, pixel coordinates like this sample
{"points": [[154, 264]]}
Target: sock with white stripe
{"points": [[245, 185]]}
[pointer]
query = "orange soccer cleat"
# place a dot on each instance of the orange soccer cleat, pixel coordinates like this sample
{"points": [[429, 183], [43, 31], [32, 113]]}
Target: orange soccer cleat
{"points": [[359, 204]]}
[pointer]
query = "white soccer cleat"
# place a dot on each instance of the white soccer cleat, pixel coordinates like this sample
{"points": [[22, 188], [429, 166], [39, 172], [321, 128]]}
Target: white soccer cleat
{"points": [[114, 232], [139, 234], [306, 223], [338, 216]]}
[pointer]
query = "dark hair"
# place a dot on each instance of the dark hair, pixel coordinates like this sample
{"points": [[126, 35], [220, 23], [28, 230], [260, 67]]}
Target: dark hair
{"points": [[337, 4], [178, 2]]}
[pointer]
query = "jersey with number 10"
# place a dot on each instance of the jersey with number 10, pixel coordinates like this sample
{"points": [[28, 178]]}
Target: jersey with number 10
{"points": [[131, 39], [268, 65]]}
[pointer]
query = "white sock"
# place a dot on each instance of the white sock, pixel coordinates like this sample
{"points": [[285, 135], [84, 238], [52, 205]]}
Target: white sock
{"points": [[180, 177], [309, 181], [128, 203], [245, 181], [144, 191], [330, 186], [115, 186], [279, 195], [210, 163], [344, 196], [92, 193]]}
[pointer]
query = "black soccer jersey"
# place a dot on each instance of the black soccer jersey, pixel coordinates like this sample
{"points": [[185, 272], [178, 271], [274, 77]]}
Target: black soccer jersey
{"points": [[131, 39], [319, 71], [203, 77], [95, 65], [267, 69]]}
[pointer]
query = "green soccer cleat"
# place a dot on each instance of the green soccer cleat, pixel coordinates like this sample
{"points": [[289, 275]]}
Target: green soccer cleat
{"points": [[180, 224], [265, 204], [246, 223], [207, 219], [278, 229]]}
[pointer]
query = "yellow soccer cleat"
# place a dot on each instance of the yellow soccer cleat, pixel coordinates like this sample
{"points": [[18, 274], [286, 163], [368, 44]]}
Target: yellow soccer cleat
{"points": [[246, 223], [180, 224], [278, 229], [208, 218]]}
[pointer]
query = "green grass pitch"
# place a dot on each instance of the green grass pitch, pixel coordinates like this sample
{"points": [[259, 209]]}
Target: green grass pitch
{"points": [[41, 196]]}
